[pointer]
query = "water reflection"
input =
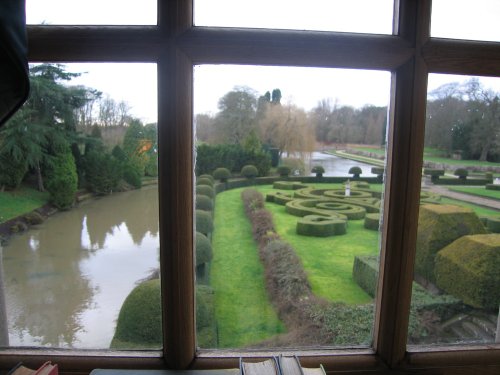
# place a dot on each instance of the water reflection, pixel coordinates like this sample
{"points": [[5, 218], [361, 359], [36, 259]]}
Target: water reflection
{"points": [[67, 279], [335, 166]]}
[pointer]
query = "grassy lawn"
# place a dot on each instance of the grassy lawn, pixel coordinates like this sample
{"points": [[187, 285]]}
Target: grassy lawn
{"points": [[480, 211], [243, 311], [20, 201], [479, 191]]}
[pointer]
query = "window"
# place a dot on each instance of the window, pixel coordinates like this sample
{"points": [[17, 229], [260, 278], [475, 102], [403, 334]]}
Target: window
{"points": [[175, 46]]}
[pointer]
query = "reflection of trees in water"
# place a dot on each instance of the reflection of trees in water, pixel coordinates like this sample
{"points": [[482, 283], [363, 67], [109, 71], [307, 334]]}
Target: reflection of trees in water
{"points": [[140, 215], [46, 291]]}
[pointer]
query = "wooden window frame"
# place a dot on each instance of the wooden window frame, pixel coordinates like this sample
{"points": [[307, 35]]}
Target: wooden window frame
{"points": [[175, 45]]}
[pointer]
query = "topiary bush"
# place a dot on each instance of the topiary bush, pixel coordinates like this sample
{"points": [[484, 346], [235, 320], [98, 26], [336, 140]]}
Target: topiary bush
{"points": [[288, 185], [319, 170], [372, 221], [434, 173], [204, 203], [438, 226], [462, 173], [355, 171], [283, 170], [205, 181], [377, 170], [205, 190], [203, 249], [222, 174], [493, 224], [249, 171], [365, 273], [62, 180], [469, 268], [488, 176], [320, 226], [204, 222]]}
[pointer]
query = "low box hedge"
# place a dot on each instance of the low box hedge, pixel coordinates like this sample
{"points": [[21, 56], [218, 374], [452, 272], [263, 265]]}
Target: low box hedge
{"points": [[493, 186], [320, 226], [365, 273], [372, 221]]}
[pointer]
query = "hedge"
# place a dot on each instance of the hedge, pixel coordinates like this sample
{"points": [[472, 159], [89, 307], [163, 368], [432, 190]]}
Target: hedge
{"points": [[493, 224], [283, 170], [204, 203], [62, 180], [205, 190], [203, 249], [222, 174], [493, 186], [468, 269], [249, 171], [365, 273], [320, 226], [372, 221], [204, 222], [355, 171], [460, 181], [204, 181], [304, 207]]}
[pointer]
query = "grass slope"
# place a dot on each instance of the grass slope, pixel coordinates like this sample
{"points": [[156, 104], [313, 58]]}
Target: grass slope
{"points": [[243, 311], [20, 201], [479, 191]]}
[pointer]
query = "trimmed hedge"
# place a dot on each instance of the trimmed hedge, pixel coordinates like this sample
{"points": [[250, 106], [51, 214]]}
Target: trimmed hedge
{"points": [[365, 273], [283, 170], [249, 171], [204, 222], [493, 224], [204, 181], [304, 207], [469, 269], [461, 181], [205, 190], [203, 249], [318, 170], [438, 226], [222, 174], [204, 203], [372, 221], [62, 180], [320, 226], [355, 171], [462, 173], [288, 185], [493, 186]]}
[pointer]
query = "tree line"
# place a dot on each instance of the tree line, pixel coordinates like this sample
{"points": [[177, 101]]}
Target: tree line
{"points": [[55, 140]]}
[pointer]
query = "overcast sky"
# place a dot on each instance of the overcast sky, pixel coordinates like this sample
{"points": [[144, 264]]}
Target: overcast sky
{"points": [[136, 83]]}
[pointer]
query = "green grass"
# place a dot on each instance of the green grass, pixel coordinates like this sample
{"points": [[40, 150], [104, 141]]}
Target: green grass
{"points": [[480, 211], [243, 311], [20, 201], [478, 191]]}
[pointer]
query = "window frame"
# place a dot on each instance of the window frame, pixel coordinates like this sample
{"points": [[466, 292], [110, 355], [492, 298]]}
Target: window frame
{"points": [[175, 45]]}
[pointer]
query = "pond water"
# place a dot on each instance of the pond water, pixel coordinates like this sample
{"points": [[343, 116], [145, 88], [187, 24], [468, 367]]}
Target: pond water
{"points": [[65, 280], [335, 166]]}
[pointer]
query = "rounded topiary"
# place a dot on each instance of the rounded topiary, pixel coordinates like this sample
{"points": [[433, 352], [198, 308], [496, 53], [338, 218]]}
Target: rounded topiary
{"points": [[204, 203], [205, 190], [372, 221], [462, 173], [203, 249], [204, 181], [355, 171], [211, 178], [222, 174], [283, 170], [319, 170], [204, 222], [139, 320], [249, 171]]}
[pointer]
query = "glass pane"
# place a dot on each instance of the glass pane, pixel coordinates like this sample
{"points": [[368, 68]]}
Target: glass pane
{"points": [[299, 268], [456, 292], [79, 211], [91, 12], [359, 16], [476, 20]]}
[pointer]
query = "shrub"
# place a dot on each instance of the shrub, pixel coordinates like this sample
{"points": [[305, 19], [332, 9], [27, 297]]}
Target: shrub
{"points": [[139, 320], [119, 154], [433, 172], [319, 170], [355, 171], [365, 273], [12, 171], [295, 165], [493, 187], [62, 180], [205, 190], [372, 221], [378, 170], [204, 203], [462, 173], [103, 172], [203, 249], [438, 226], [132, 176], [205, 181], [288, 185], [222, 174], [204, 222], [252, 200], [206, 326], [249, 171], [208, 176], [488, 176], [151, 168], [320, 226], [468, 269], [493, 224], [283, 170]]}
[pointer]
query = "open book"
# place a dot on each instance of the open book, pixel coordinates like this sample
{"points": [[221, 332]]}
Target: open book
{"points": [[282, 365]]}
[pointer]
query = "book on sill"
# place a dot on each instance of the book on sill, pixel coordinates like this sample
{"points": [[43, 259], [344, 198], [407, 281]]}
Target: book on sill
{"points": [[282, 365], [46, 369]]}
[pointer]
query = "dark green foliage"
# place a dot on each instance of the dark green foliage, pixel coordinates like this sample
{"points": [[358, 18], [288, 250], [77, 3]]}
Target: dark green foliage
{"points": [[283, 170], [119, 154], [210, 177], [204, 222], [203, 249], [206, 324], [151, 168], [139, 320], [249, 171], [132, 176], [438, 226], [493, 224], [433, 172], [102, 172], [320, 226], [62, 180], [204, 203], [365, 273], [468, 269], [205, 190], [11, 171], [222, 174], [460, 181], [372, 221], [493, 187], [489, 177], [319, 170], [355, 171], [288, 185], [462, 173], [205, 181], [378, 170]]}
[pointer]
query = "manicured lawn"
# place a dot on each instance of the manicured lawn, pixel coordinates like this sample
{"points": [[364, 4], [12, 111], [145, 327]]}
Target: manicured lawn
{"points": [[479, 191], [20, 201], [480, 211], [243, 311]]}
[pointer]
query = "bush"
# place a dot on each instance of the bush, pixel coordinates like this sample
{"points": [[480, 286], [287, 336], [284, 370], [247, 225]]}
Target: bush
{"points": [[12, 171], [206, 325], [151, 168], [222, 174], [205, 181], [208, 176], [355, 171], [372, 221], [319, 170], [462, 173], [204, 222], [438, 226], [295, 165], [102, 172], [433, 172], [488, 176], [205, 190], [249, 171], [203, 249], [493, 187], [132, 176], [204, 203], [468, 269], [62, 180], [493, 224], [365, 273], [288, 185], [378, 170], [283, 170], [320, 226]]}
